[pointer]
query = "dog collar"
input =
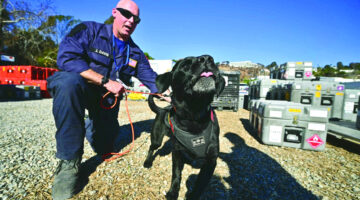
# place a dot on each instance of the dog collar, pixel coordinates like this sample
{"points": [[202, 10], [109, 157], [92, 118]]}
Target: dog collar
{"points": [[202, 113]]}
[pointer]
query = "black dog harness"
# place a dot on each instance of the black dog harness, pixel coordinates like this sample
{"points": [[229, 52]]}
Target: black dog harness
{"points": [[197, 143]]}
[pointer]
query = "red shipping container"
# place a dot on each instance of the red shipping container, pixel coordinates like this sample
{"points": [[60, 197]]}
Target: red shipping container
{"points": [[50, 72], [40, 83], [13, 81], [2, 72], [43, 87], [8, 71], [28, 72], [2, 80], [31, 72], [41, 73], [9, 81]]}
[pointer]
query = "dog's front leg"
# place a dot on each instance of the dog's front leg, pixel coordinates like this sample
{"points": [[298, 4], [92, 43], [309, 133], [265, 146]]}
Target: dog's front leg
{"points": [[149, 158], [177, 167], [157, 134], [202, 180]]}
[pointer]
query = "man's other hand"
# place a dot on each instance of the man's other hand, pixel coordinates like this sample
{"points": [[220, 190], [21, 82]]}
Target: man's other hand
{"points": [[115, 87]]}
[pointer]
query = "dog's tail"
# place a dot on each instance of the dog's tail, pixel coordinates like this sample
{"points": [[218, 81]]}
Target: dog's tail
{"points": [[156, 109]]}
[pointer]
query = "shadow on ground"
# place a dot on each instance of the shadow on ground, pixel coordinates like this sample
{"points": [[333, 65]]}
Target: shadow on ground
{"points": [[247, 126], [351, 146], [123, 139], [253, 175]]}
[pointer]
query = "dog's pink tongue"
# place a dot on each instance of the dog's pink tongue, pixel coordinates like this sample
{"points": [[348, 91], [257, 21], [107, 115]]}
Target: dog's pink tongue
{"points": [[206, 74]]}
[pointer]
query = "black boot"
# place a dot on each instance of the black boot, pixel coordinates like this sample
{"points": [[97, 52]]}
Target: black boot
{"points": [[66, 178]]}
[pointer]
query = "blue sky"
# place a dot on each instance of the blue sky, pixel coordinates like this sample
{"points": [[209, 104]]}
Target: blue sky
{"points": [[262, 31]]}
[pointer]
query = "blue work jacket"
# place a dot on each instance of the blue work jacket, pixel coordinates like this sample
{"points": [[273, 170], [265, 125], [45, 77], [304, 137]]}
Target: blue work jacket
{"points": [[90, 46]]}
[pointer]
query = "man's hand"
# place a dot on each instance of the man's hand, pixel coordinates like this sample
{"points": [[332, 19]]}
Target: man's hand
{"points": [[115, 87], [95, 78], [166, 98]]}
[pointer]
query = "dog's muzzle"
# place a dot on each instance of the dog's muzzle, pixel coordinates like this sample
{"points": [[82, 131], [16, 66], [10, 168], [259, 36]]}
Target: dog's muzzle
{"points": [[205, 84]]}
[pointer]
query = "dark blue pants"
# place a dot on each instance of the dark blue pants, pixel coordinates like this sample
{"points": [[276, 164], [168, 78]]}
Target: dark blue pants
{"points": [[71, 96]]}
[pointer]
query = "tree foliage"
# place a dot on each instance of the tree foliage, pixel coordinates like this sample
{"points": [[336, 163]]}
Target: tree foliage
{"points": [[21, 14], [57, 26], [148, 56], [29, 46], [271, 65], [351, 71], [30, 33], [110, 20]]}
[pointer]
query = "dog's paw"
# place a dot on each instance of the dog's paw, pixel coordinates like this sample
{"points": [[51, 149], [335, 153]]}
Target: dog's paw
{"points": [[171, 195], [190, 196], [148, 164]]}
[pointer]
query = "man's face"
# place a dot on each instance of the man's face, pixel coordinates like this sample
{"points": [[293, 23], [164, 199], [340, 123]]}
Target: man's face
{"points": [[124, 23]]}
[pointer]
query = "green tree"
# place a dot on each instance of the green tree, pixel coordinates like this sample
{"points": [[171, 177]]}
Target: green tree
{"points": [[340, 74], [110, 20], [148, 56], [246, 81], [271, 65], [339, 65], [317, 73], [21, 14], [57, 26], [355, 66], [53, 31], [328, 71], [29, 46]]}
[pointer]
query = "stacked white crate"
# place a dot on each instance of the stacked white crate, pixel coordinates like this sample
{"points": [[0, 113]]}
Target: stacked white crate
{"points": [[319, 94], [292, 124], [296, 71], [358, 115], [254, 105], [264, 88], [351, 96]]}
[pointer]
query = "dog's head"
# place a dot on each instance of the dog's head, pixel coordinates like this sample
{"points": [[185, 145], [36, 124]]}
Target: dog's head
{"points": [[193, 76]]}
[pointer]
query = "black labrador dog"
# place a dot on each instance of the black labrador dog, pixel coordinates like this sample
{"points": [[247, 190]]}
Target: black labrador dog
{"points": [[189, 121]]}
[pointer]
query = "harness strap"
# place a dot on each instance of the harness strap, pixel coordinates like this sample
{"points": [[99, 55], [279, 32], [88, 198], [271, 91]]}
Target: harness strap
{"points": [[196, 143], [171, 125], [212, 115]]}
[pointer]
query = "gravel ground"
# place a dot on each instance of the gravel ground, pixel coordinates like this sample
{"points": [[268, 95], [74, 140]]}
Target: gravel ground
{"points": [[246, 169]]}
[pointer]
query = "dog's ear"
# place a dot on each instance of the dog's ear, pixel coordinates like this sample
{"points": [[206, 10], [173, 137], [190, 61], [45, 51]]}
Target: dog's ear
{"points": [[163, 82], [220, 85]]}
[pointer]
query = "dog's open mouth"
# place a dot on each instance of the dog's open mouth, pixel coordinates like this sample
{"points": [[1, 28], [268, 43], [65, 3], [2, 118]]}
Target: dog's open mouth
{"points": [[205, 84]]}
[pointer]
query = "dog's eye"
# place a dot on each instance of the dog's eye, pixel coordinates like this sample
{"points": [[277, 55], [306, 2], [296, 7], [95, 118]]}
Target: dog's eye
{"points": [[201, 59], [187, 65]]}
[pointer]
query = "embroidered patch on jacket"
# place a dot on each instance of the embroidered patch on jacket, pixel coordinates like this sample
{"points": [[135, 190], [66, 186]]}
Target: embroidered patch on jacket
{"points": [[132, 63], [198, 141], [102, 52]]}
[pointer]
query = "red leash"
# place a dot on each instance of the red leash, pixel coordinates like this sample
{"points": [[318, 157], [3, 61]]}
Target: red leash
{"points": [[116, 155]]}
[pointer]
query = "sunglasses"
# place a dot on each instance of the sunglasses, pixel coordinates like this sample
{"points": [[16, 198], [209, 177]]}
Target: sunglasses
{"points": [[127, 14]]}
